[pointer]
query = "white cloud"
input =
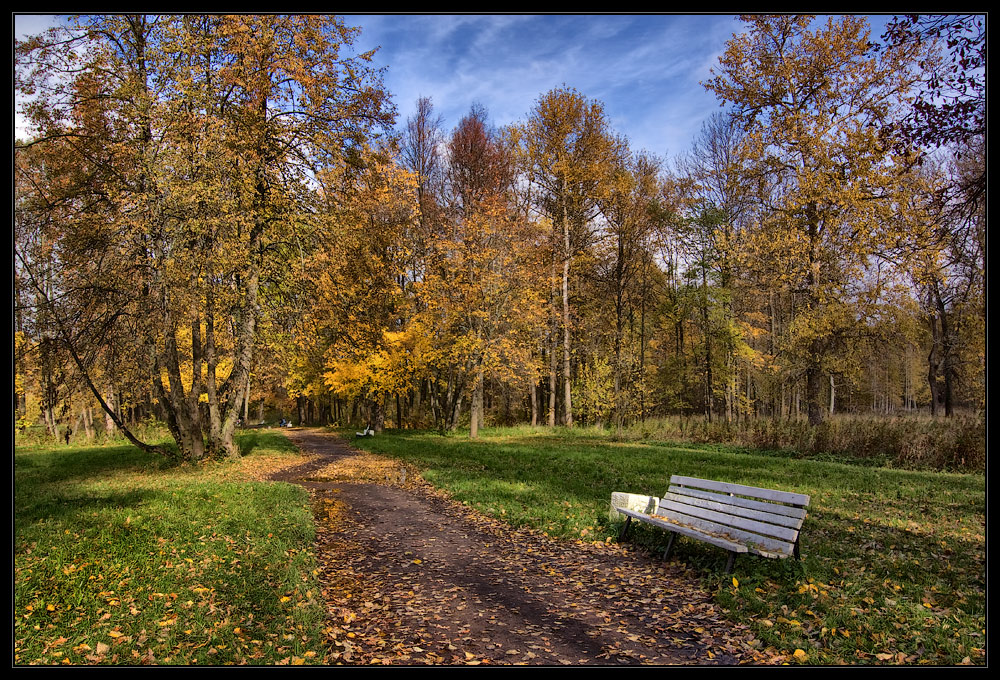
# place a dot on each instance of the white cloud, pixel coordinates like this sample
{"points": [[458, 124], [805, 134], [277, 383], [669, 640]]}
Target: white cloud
{"points": [[26, 25], [645, 69]]}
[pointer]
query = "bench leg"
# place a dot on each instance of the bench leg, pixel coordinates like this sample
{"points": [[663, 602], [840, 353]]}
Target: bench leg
{"points": [[670, 544], [795, 549], [624, 531], [730, 563]]}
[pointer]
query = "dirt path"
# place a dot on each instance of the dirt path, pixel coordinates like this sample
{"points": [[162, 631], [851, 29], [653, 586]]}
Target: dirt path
{"points": [[411, 577]]}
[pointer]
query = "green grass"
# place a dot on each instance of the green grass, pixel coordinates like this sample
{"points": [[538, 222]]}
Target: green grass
{"points": [[893, 567], [121, 558]]}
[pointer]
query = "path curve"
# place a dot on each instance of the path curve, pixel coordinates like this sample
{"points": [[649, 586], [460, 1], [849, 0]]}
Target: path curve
{"points": [[411, 577]]}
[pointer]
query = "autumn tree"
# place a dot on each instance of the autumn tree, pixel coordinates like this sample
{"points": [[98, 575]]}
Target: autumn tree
{"points": [[947, 267], [71, 243], [358, 276], [718, 195], [565, 150], [421, 147], [950, 106], [210, 133], [478, 293], [627, 205], [816, 105]]}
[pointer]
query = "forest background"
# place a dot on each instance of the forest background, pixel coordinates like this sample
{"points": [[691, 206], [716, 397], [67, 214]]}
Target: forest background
{"points": [[217, 223]]}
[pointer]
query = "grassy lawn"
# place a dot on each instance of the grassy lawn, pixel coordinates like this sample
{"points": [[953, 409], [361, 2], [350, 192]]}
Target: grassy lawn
{"points": [[893, 568], [123, 558]]}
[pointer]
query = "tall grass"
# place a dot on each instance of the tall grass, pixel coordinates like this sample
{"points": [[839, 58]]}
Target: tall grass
{"points": [[955, 444]]}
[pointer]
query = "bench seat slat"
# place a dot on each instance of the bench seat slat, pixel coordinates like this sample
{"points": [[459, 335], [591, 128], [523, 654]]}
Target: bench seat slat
{"points": [[693, 532], [786, 510], [736, 510], [754, 542], [686, 530], [753, 491], [726, 518], [635, 514]]}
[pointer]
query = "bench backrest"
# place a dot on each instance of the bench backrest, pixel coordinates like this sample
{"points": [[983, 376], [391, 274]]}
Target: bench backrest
{"points": [[766, 520]]}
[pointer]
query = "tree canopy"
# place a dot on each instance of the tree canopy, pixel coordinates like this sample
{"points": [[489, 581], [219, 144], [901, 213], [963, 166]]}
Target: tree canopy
{"points": [[216, 214]]}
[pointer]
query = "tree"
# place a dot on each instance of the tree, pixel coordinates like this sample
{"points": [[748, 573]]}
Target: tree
{"points": [[947, 270], [478, 295], [358, 282], [817, 106], [205, 137], [627, 206], [949, 109], [420, 153], [719, 196], [565, 150]]}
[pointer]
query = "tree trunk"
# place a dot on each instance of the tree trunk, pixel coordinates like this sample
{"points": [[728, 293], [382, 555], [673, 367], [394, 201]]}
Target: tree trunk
{"points": [[533, 393], [211, 362], [814, 388], [88, 423], [947, 356], [378, 413], [567, 391], [194, 405], [181, 415], [553, 344], [417, 407], [246, 403], [476, 407], [480, 397], [552, 380], [814, 381], [448, 408], [933, 363], [709, 387], [436, 412], [240, 377], [109, 423], [456, 409]]}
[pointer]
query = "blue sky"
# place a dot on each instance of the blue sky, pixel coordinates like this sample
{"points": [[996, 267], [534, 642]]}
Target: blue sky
{"points": [[645, 69]]}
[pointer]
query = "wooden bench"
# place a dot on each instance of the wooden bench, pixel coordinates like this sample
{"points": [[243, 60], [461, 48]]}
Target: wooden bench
{"points": [[735, 517]]}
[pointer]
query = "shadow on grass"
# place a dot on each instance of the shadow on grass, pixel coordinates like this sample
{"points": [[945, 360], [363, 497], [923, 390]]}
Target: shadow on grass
{"points": [[247, 443], [33, 468], [58, 508]]}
